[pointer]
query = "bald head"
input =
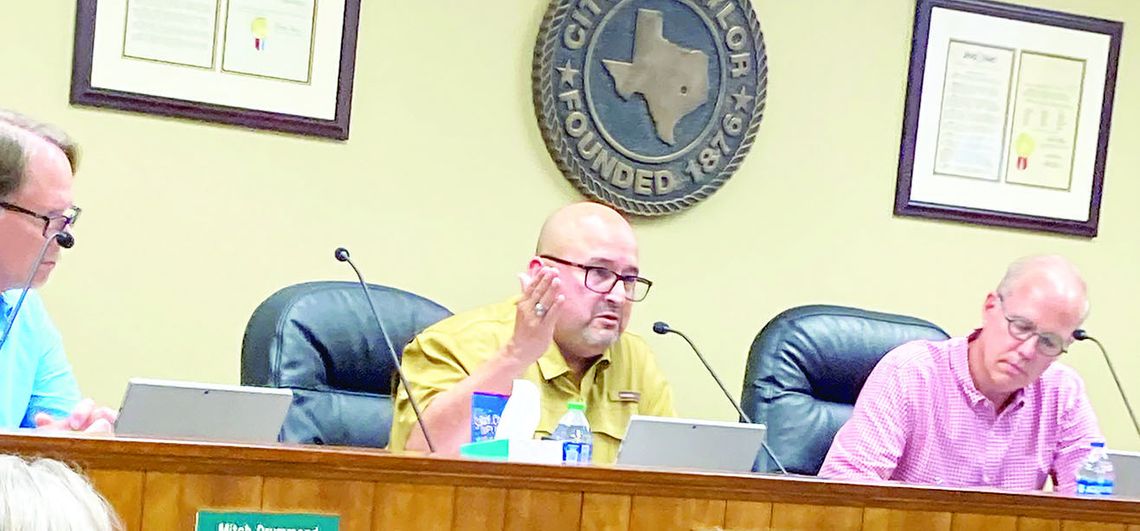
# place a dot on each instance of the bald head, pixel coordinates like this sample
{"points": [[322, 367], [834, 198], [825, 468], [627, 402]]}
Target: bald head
{"points": [[581, 227], [588, 243], [1052, 275]]}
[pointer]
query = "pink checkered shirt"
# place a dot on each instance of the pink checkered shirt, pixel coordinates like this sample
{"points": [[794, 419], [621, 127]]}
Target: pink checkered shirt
{"points": [[920, 419]]}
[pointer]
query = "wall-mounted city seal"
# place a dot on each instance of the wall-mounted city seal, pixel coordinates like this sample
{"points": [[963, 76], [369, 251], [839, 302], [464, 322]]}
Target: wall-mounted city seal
{"points": [[649, 105]]}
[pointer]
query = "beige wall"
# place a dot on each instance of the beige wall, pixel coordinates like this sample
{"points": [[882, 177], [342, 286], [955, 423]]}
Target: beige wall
{"points": [[188, 226]]}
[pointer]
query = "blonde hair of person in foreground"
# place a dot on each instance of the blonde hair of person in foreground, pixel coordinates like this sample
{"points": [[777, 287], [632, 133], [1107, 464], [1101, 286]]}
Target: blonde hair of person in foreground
{"points": [[42, 494]]}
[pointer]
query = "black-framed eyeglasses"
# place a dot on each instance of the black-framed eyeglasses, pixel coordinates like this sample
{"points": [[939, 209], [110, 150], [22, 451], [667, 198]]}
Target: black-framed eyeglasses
{"points": [[1048, 344], [601, 280], [52, 224]]}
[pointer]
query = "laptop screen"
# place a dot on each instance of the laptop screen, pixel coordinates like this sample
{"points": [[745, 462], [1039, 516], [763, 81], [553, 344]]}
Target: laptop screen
{"points": [[190, 410], [1126, 465], [690, 443]]}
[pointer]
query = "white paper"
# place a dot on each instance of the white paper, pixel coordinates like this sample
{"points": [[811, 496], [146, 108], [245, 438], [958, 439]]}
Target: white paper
{"points": [[975, 103], [270, 38], [172, 31], [521, 414]]}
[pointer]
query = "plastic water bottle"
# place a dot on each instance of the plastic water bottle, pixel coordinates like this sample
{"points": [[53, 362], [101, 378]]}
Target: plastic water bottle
{"points": [[1096, 476], [574, 431]]}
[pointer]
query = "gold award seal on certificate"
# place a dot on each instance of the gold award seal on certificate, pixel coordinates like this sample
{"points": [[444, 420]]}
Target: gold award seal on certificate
{"points": [[649, 106]]}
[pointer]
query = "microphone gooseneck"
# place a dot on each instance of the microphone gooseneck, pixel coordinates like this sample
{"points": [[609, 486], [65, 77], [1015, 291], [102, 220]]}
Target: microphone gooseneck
{"points": [[1081, 335], [342, 255], [65, 240], [663, 328]]}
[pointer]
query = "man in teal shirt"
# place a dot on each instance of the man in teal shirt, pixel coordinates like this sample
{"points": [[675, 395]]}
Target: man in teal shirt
{"points": [[34, 372], [37, 388]]}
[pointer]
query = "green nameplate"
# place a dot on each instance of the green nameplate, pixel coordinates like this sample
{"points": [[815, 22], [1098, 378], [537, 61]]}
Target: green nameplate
{"points": [[219, 521]]}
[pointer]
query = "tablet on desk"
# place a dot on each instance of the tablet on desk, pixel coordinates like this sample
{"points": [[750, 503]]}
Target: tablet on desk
{"points": [[1126, 466], [190, 410], [688, 443]]}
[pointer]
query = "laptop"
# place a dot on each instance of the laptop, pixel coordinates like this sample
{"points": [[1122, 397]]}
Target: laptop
{"points": [[1126, 465], [190, 410], [688, 443]]}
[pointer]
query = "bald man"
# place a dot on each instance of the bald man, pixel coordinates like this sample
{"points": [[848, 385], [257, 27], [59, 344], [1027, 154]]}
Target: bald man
{"points": [[993, 409], [565, 332]]}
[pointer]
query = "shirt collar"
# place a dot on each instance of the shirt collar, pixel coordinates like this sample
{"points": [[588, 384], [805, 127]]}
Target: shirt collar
{"points": [[552, 364], [960, 366]]}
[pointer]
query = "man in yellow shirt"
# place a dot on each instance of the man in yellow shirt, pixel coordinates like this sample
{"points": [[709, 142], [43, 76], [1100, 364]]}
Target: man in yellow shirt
{"points": [[565, 332]]}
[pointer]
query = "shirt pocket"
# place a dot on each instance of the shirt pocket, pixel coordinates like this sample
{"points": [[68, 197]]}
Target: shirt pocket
{"points": [[611, 415]]}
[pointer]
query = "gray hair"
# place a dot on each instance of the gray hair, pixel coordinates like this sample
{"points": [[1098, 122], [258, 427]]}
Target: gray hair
{"points": [[14, 130], [46, 495], [1022, 266]]}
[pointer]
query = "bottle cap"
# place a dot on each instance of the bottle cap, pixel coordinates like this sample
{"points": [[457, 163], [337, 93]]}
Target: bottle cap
{"points": [[574, 404]]}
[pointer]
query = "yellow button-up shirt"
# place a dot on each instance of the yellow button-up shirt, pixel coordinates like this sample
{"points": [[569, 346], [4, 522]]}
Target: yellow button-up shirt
{"points": [[625, 381]]}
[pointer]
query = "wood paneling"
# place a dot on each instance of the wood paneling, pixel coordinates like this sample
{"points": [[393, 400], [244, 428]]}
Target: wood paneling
{"points": [[657, 513], [970, 522], [123, 489], [1070, 525], [1038, 524], [747, 516], [352, 500], [172, 501], [403, 506], [543, 509], [605, 512], [878, 519], [479, 509], [795, 517]]}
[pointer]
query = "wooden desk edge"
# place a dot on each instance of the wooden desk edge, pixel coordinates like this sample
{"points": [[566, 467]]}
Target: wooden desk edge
{"points": [[296, 461]]}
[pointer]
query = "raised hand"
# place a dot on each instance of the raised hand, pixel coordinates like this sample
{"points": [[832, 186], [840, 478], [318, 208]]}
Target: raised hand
{"points": [[536, 313]]}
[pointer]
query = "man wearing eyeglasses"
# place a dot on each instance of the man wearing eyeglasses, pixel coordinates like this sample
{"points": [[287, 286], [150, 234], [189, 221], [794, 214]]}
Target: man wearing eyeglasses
{"points": [[565, 332], [993, 409], [37, 388]]}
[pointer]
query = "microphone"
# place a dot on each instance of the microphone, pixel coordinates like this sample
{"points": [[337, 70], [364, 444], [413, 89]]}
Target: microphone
{"points": [[662, 328], [1081, 335], [65, 240], [341, 255]]}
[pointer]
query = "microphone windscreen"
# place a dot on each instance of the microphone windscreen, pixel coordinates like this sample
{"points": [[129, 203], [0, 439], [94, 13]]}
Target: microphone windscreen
{"points": [[65, 240], [341, 254], [660, 327]]}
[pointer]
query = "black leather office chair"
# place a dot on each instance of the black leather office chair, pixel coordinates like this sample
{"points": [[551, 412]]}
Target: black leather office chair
{"points": [[320, 340], [805, 369]]}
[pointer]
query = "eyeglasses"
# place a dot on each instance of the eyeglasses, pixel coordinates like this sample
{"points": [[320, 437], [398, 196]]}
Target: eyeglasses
{"points": [[52, 224], [602, 280], [1048, 344]]}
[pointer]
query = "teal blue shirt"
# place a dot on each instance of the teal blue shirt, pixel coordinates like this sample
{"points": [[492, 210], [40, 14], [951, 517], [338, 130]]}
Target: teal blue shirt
{"points": [[34, 373]]}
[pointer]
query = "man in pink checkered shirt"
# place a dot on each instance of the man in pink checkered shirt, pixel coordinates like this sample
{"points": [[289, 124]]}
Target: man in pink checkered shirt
{"points": [[987, 410]]}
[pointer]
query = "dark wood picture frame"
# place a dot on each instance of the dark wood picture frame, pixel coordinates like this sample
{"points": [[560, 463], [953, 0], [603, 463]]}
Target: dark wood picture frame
{"points": [[905, 206], [82, 93]]}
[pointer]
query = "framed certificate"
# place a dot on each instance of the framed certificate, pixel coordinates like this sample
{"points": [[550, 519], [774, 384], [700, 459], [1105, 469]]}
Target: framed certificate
{"points": [[1007, 116], [282, 65]]}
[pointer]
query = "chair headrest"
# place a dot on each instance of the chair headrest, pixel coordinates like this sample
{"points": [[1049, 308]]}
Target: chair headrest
{"points": [[818, 349], [322, 335]]}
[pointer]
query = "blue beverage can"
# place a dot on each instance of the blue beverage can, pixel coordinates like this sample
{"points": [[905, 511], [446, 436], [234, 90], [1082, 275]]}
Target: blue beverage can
{"points": [[486, 409]]}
